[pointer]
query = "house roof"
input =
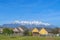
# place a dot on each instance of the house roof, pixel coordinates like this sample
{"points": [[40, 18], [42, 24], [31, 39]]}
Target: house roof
{"points": [[15, 30], [35, 30], [47, 29], [20, 29], [43, 31]]}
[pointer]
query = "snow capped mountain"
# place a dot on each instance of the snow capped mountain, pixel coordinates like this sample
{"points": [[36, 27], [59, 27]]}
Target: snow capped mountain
{"points": [[28, 24], [31, 22]]}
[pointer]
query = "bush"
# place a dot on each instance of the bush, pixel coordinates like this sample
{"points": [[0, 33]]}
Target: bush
{"points": [[27, 33], [30, 33]]}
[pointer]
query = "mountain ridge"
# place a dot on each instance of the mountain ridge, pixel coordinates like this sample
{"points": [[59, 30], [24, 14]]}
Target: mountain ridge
{"points": [[28, 24]]}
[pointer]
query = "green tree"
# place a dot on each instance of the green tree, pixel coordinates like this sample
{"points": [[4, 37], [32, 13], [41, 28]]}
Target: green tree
{"points": [[26, 33], [55, 31], [7, 31]]}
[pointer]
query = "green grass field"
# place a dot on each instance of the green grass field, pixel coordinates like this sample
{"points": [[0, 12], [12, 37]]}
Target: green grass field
{"points": [[2, 37]]}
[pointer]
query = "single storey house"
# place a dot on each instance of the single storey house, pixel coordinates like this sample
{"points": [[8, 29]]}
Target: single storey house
{"points": [[41, 31], [19, 30]]}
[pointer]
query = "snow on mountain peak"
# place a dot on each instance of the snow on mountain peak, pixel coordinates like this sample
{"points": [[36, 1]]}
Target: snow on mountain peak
{"points": [[31, 22]]}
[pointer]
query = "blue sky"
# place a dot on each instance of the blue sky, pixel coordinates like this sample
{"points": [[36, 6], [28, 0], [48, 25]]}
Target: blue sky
{"points": [[29, 10]]}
